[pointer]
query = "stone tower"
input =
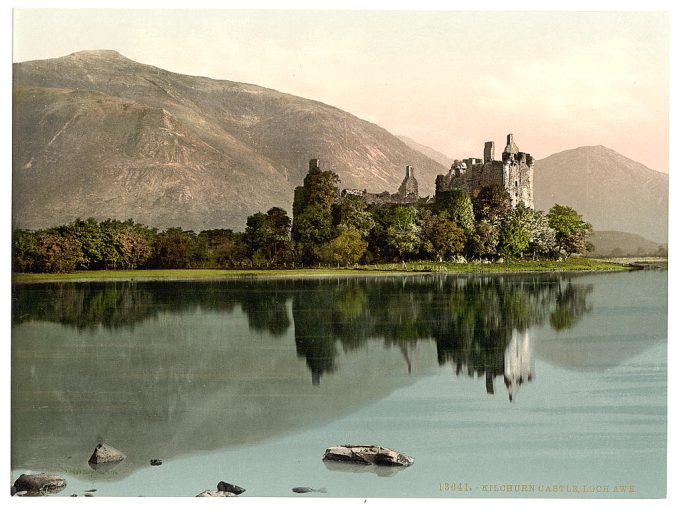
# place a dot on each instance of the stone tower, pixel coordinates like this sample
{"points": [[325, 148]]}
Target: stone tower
{"points": [[510, 148], [488, 151]]}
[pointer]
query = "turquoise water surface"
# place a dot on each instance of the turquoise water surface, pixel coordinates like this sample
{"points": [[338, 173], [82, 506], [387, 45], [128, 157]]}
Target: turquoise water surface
{"points": [[518, 385]]}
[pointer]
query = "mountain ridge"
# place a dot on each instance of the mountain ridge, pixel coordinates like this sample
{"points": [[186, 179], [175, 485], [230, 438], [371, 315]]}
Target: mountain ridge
{"points": [[152, 144]]}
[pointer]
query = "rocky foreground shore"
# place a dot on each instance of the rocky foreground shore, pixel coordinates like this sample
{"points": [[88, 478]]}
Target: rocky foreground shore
{"points": [[105, 457]]}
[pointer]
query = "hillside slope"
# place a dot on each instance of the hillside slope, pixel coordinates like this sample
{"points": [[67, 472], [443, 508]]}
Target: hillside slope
{"points": [[96, 134], [609, 190]]}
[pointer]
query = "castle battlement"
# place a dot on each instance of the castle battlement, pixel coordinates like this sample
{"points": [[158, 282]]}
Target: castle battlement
{"points": [[514, 173]]}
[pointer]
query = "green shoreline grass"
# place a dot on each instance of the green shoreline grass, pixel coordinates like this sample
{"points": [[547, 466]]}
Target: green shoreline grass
{"points": [[572, 264]]}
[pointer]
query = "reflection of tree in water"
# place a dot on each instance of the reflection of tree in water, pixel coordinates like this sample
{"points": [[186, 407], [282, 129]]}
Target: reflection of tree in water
{"points": [[110, 305], [123, 304], [570, 303], [266, 310], [472, 320], [479, 324]]}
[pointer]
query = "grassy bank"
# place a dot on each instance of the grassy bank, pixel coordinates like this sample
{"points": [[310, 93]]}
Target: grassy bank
{"points": [[572, 264]]}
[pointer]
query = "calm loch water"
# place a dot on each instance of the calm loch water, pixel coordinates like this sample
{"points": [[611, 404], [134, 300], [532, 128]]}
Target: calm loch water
{"points": [[522, 385]]}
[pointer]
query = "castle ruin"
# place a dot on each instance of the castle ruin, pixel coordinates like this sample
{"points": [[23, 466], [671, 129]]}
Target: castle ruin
{"points": [[514, 173], [407, 192]]}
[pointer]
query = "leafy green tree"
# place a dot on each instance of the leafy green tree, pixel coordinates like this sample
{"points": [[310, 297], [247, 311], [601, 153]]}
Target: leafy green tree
{"points": [[484, 241], [267, 236], [514, 235], [571, 231], [225, 248], [491, 202], [174, 249], [346, 249], [353, 213], [402, 231], [541, 235], [280, 225], [427, 220], [314, 228], [25, 251], [312, 212], [448, 239], [457, 205], [93, 242], [279, 222], [319, 188], [439, 236], [322, 187], [258, 232]]}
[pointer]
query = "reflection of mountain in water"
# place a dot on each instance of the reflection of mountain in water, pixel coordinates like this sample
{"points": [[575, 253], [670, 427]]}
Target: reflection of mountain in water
{"points": [[160, 369]]}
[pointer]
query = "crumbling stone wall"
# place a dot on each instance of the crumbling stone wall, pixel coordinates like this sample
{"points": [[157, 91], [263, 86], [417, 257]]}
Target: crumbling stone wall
{"points": [[407, 193]]}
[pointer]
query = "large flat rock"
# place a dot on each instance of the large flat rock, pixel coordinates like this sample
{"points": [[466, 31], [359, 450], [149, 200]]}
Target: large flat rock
{"points": [[367, 455]]}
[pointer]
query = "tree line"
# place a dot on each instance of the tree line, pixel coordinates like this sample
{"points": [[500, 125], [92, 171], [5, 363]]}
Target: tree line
{"points": [[325, 229]]}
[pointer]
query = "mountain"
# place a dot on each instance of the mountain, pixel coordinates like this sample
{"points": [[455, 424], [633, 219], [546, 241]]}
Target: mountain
{"points": [[611, 243], [98, 135], [433, 154], [611, 191]]}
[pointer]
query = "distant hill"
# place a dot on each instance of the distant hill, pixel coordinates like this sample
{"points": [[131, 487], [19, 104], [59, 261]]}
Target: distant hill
{"points": [[611, 191], [612, 243], [98, 135], [433, 154]]}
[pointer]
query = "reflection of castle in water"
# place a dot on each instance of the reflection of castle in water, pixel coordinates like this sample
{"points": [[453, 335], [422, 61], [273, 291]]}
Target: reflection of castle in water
{"points": [[519, 362], [480, 325]]}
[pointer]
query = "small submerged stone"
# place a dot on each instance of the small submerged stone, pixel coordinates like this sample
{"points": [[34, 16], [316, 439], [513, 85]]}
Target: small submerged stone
{"points": [[38, 484], [306, 489]]}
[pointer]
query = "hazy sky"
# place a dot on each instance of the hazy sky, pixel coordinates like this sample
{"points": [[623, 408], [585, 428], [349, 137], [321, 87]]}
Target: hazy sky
{"points": [[450, 80]]}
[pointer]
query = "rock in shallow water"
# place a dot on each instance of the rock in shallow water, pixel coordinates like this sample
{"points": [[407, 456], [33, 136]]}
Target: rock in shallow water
{"points": [[367, 455], [39, 484], [104, 453], [215, 493], [229, 488]]}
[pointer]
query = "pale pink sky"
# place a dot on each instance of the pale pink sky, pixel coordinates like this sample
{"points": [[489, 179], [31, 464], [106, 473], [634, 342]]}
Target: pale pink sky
{"points": [[450, 80]]}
